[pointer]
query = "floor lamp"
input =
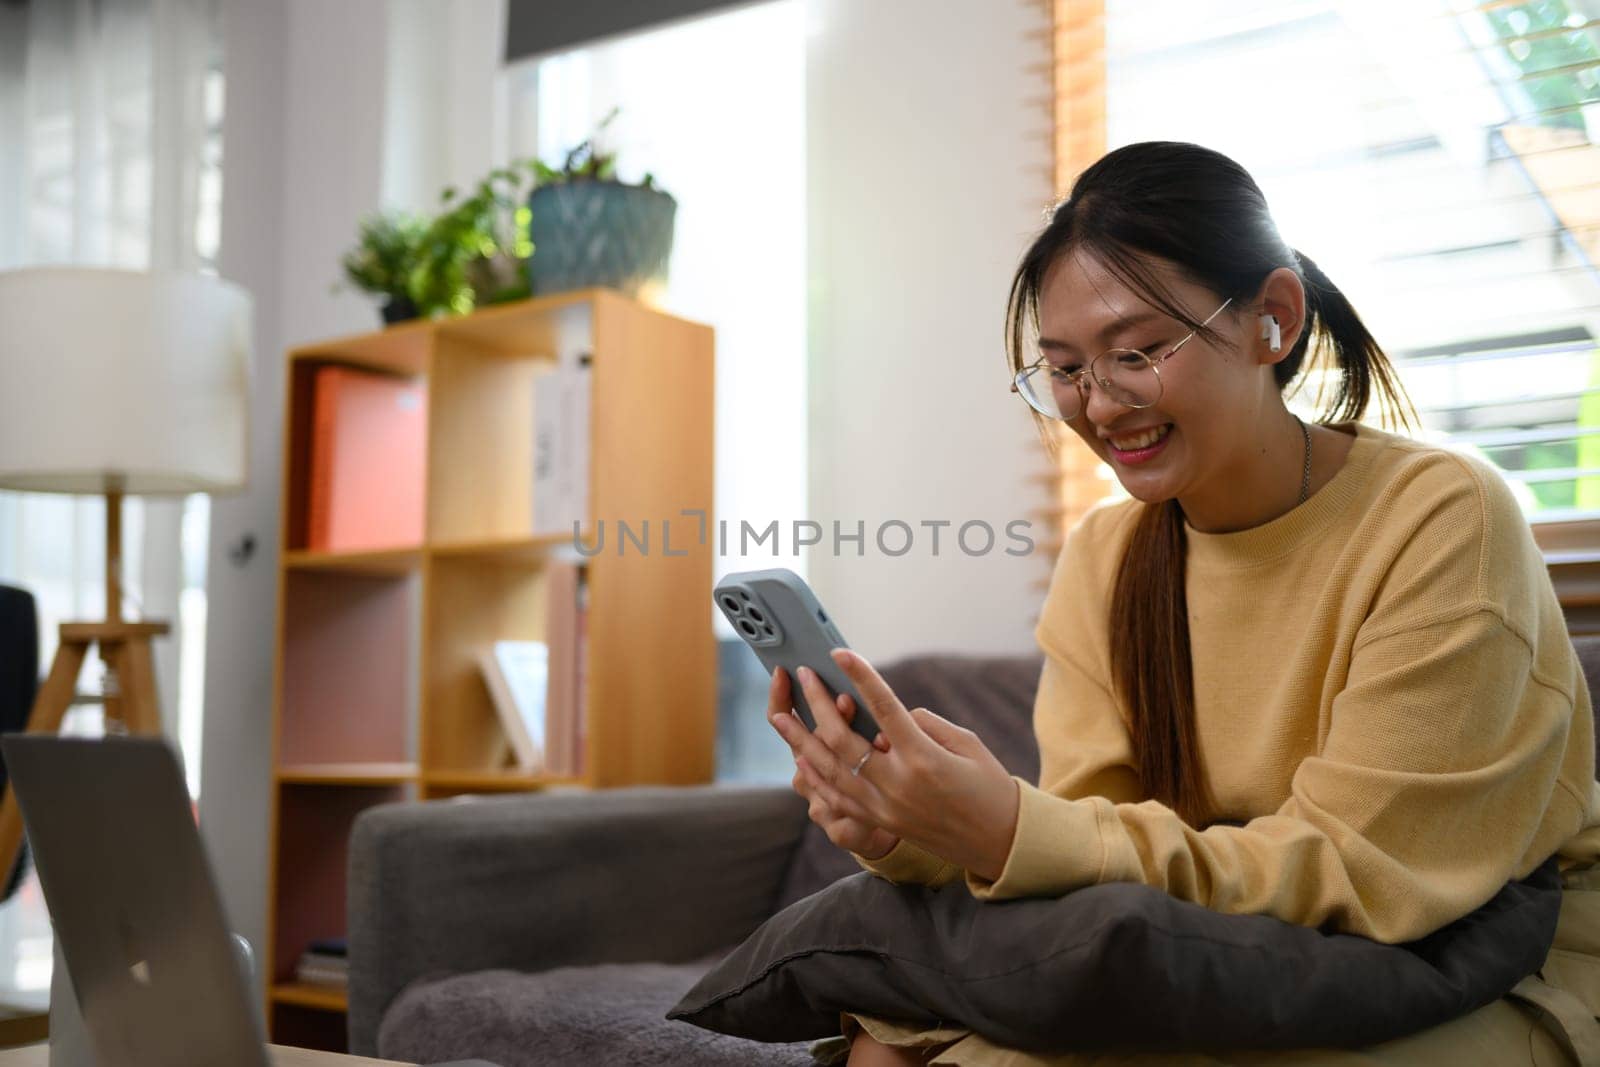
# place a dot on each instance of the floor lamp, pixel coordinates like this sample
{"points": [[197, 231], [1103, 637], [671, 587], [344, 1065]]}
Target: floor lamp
{"points": [[117, 383]]}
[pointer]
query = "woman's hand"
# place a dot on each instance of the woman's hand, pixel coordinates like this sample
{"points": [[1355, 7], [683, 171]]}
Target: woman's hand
{"points": [[927, 780], [841, 821]]}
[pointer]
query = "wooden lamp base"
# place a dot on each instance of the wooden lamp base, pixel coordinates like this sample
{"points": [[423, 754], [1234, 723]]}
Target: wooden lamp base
{"points": [[130, 699]]}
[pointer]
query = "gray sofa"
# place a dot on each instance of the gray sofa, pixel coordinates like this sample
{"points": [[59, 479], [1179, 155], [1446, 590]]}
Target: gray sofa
{"points": [[559, 927]]}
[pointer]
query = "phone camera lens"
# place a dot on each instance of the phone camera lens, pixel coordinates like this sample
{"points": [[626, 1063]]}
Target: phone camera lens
{"points": [[756, 615], [749, 628], [730, 604]]}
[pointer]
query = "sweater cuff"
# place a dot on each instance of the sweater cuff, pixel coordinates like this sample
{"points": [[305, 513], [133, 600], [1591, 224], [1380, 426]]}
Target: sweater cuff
{"points": [[1060, 845], [906, 864]]}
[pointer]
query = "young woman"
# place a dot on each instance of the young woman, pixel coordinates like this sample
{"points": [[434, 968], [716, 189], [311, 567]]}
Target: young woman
{"points": [[1314, 671]]}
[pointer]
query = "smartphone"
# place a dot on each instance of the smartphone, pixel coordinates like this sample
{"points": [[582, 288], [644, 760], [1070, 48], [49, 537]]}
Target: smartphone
{"points": [[779, 617]]}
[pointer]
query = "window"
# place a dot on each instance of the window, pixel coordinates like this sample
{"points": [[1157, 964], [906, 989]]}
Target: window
{"points": [[714, 108], [1437, 158]]}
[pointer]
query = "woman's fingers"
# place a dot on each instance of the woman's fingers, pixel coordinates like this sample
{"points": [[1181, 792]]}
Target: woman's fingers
{"points": [[836, 803], [828, 764], [890, 714], [832, 728], [829, 768], [779, 712], [830, 796], [847, 708]]}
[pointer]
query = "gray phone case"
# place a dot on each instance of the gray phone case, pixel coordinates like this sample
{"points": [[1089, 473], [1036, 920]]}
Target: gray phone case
{"points": [[779, 617]]}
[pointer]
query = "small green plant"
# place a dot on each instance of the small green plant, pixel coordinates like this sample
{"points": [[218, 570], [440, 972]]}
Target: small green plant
{"points": [[473, 250], [386, 247]]}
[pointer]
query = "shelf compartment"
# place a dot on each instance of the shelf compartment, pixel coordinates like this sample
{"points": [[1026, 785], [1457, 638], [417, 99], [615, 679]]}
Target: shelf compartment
{"points": [[301, 419], [472, 602], [374, 774], [480, 473], [313, 845], [480, 428], [347, 663]]}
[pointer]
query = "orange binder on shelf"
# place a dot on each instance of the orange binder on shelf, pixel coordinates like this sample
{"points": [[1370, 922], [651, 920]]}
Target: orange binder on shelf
{"points": [[368, 461]]}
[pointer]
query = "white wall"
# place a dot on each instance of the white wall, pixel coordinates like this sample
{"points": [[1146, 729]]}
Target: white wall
{"points": [[302, 135], [927, 157]]}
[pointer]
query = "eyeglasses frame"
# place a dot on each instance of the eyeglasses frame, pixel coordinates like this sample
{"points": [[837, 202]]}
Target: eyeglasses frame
{"points": [[1077, 377]]}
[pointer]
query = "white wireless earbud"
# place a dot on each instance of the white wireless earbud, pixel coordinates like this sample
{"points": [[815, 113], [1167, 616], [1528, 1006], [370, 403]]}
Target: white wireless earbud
{"points": [[1269, 332]]}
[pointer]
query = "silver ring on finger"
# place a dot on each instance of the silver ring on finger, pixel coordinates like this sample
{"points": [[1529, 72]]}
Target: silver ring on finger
{"points": [[862, 762]]}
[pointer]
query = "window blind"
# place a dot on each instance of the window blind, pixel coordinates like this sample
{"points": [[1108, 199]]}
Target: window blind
{"points": [[539, 27]]}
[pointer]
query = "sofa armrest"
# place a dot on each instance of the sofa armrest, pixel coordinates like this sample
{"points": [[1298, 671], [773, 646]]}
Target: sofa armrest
{"points": [[554, 879]]}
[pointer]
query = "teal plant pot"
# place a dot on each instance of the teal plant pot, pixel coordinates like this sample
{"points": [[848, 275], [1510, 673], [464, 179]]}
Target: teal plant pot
{"points": [[590, 233]]}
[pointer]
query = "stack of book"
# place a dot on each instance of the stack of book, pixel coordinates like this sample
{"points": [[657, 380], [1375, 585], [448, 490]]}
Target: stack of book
{"points": [[325, 962], [538, 687]]}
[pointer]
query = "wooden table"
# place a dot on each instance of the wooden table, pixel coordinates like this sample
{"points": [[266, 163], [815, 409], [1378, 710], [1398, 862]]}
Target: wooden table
{"points": [[39, 1056]]}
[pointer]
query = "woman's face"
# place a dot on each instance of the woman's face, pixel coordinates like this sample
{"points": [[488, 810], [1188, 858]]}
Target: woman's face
{"points": [[1199, 436]]}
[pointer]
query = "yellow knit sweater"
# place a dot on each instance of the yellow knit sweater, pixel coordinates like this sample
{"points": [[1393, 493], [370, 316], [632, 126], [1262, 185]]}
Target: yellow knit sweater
{"points": [[1387, 705]]}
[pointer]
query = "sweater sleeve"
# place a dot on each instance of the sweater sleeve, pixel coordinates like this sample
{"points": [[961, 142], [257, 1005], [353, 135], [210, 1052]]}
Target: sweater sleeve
{"points": [[1441, 760], [909, 864]]}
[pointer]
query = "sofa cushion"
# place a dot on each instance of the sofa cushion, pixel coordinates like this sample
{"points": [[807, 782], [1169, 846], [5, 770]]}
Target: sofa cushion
{"points": [[1113, 966], [578, 1016], [990, 695]]}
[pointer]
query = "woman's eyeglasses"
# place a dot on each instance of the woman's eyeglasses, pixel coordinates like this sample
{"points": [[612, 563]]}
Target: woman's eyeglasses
{"points": [[1128, 376]]}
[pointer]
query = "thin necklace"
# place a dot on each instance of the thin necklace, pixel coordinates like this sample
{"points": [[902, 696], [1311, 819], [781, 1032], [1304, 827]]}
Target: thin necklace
{"points": [[1305, 475]]}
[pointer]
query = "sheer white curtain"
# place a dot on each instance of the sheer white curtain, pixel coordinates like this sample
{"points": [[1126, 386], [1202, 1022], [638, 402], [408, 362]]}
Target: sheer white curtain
{"points": [[110, 112]]}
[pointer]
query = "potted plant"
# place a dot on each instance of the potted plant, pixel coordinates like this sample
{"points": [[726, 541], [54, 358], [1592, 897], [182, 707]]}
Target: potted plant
{"points": [[382, 260], [589, 229]]}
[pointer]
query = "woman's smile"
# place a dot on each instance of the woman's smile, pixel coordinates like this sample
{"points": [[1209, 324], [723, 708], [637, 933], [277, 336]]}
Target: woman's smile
{"points": [[1139, 446]]}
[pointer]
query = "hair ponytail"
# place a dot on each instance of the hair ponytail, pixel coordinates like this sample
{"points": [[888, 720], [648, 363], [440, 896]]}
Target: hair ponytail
{"points": [[1200, 210], [1348, 348], [1152, 664]]}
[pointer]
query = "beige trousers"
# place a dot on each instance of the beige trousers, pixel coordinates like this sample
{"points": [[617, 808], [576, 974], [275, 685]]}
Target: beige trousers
{"points": [[1549, 1020]]}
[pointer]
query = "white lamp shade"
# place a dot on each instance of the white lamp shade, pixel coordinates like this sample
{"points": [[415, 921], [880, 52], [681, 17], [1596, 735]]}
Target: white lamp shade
{"points": [[122, 380]]}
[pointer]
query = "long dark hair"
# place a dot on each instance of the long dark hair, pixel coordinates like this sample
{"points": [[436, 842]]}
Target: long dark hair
{"points": [[1201, 211]]}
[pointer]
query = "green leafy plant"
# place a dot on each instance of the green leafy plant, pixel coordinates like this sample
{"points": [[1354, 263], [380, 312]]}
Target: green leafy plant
{"points": [[472, 251], [386, 247]]}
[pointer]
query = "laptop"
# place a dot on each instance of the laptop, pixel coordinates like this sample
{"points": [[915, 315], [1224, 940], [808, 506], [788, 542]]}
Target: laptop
{"points": [[133, 902]]}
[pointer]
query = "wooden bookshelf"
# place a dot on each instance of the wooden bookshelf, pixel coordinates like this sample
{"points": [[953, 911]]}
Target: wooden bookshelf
{"points": [[377, 692]]}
